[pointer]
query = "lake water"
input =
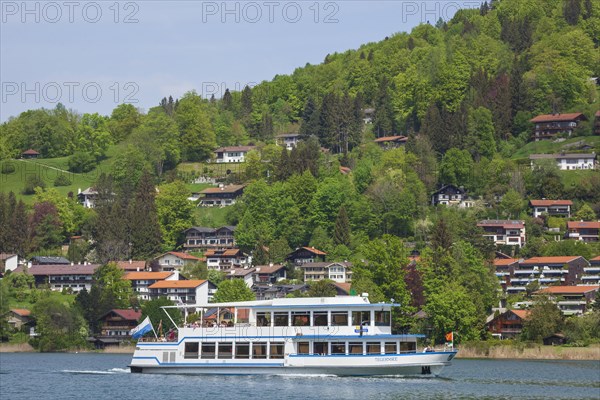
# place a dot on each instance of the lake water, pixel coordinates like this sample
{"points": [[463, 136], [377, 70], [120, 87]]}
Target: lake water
{"points": [[106, 376]]}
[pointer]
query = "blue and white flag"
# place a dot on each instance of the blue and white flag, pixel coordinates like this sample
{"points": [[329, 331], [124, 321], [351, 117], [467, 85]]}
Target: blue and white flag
{"points": [[141, 329]]}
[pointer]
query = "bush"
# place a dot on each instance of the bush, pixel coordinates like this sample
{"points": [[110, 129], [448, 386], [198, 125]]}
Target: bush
{"points": [[62, 180], [31, 182], [8, 168], [81, 162]]}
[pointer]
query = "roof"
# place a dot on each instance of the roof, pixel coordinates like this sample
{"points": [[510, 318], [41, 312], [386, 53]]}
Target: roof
{"points": [[269, 269], [595, 259], [548, 203], [450, 186], [314, 251], [384, 139], [583, 225], [557, 117], [569, 289], [131, 265], [147, 276], [189, 284], [21, 312], [30, 152], [223, 189], [43, 270], [232, 273], [343, 286], [88, 192], [345, 170], [324, 264], [50, 260], [132, 315], [183, 256], [6, 256], [502, 262], [234, 148], [561, 156], [521, 313], [223, 253], [506, 224], [286, 135], [549, 260], [201, 229]]}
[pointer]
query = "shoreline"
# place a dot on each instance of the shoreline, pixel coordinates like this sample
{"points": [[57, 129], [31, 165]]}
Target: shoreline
{"points": [[507, 352]]}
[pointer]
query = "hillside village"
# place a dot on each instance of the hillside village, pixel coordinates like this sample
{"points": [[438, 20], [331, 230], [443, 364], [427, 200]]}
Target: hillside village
{"points": [[452, 169]]}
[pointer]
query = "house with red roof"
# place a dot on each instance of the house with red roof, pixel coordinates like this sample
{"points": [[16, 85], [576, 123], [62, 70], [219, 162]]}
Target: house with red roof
{"points": [[115, 326], [62, 277], [571, 300], [192, 291], [227, 259], [508, 324], [504, 232], [391, 142], [553, 270], [132, 265], [586, 231], [306, 254], [28, 154], [591, 274], [555, 208], [271, 273], [142, 280], [220, 196], [18, 317], [548, 126], [175, 260]]}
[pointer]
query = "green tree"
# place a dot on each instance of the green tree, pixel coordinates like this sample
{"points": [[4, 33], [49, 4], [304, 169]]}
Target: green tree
{"points": [[480, 135], [322, 288], [585, 213], [60, 325], [175, 212], [157, 315], [233, 290], [197, 135], [456, 167], [543, 320], [511, 204], [145, 230], [123, 120], [109, 278], [341, 231], [93, 135]]}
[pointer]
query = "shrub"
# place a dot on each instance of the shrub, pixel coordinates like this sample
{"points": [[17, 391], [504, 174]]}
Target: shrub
{"points": [[62, 180], [81, 162], [31, 182], [8, 168]]}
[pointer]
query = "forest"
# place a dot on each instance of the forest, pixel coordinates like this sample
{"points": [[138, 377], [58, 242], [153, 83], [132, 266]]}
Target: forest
{"points": [[463, 91]]}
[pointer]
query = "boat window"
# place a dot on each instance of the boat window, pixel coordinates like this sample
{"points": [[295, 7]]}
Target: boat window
{"points": [[320, 348], [191, 350], [208, 350], [300, 318], [408, 347], [382, 318], [339, 318], [361, 318], [338, 348], [355, 348], [391, 348], [303, 348], [225, 350], [276, 350], [242, 350], [373, 348], [281, 318], [320, 318], [243, 315], [259, 350], [263, 319]]}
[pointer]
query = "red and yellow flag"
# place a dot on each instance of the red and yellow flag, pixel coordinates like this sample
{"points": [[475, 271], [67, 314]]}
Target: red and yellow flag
{"points": [[450, 337]]}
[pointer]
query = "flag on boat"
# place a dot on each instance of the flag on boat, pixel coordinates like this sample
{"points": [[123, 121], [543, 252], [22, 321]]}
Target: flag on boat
{"points": [[450, 337], [141, 329]]}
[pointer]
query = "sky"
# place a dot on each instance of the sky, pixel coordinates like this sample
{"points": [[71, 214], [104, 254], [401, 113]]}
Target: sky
{"points": [[93, 55]]}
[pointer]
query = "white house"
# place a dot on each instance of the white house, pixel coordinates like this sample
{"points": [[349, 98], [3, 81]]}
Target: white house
{"points": [[560, 208], [87, 197], [141, 281], [232, 154], [247, 274], [8, 262], [567, 162], [188, 291], [227, 259], [174, 260], [289, 140], [335, 271], [502, 232]]}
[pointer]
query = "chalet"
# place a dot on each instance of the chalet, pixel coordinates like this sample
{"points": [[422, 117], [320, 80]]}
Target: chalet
{"points": [[555, 270], [306, 254], [187, 291], [232, 154], [335, 271], [507, 325], [247, 274], [115, 326], [504, 232], [29, 154], [174, 260], [586, 231], [226, 259], [132, 265], [571, 300], [8, 262], [597, 123], [555, 208], [567, 162], [269, 292], [46, 260], [61, 277], [271, 273], [450, 195], [88, 197], [548, 126], [18, 317], [288, 140], [199, 237], [391, 142], [591, 274], [220, 196], [141, 281]]}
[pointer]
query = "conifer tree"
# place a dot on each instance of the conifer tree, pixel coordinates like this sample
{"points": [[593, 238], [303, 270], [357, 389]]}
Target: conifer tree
{"points": [[227, 100], [246, 100], [284, 167], [341, 232], [145, 234]]}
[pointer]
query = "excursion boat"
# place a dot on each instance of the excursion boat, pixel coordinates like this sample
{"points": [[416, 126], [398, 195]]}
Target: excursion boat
{"points": [[346, 336]]}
